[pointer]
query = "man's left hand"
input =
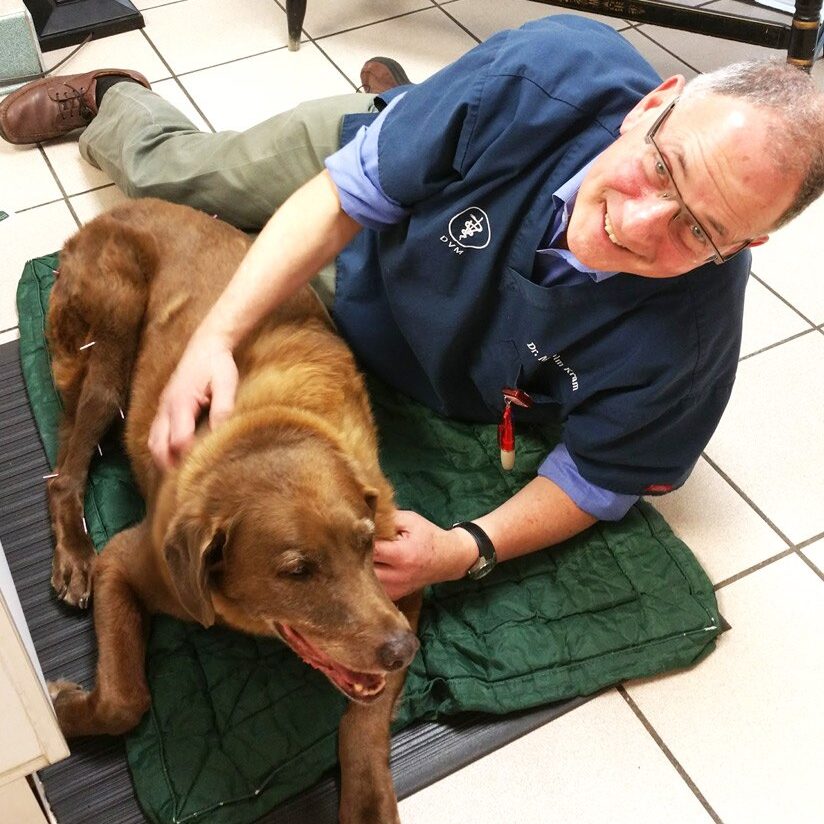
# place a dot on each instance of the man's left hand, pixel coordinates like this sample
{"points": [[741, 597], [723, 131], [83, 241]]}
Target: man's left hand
{"points": [[421, 554]]}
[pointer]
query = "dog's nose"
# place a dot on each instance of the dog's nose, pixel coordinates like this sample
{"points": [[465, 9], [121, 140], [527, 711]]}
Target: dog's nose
{"points": [[398, 651]]}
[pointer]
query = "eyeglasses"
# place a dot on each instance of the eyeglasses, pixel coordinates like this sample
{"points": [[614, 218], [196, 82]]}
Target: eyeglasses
{"points": [[688, 231]]}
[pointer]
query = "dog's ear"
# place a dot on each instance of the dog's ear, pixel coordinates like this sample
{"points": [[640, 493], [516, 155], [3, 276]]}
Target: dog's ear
{"points": [[192, 550]]}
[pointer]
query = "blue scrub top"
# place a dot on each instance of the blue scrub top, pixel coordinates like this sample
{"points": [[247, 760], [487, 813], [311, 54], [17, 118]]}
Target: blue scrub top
{"points": [[443, 306]]}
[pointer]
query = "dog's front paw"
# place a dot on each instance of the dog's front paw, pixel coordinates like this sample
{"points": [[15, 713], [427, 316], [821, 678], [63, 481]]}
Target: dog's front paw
{"points": [[72, 576], [63, 688], [71, 705]]}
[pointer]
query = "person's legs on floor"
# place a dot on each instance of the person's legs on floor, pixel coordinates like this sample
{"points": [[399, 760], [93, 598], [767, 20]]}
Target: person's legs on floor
{"points": [[150, 149]]}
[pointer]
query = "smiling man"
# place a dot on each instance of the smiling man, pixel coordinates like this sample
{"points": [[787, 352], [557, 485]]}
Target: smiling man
{"points": [[541, 231], [738, 183]]}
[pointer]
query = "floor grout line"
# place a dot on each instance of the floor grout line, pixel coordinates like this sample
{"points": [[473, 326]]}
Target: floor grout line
{"points": [[671, 53], [777, 343], [39, 205], [747, 499], [373, 23], [66, 198], [177, 79], [754, 568], [784, 300], [313, 41], [807, 541], [460, 25], [811, 565], [316, 41], [668, 754], [189, 72]]}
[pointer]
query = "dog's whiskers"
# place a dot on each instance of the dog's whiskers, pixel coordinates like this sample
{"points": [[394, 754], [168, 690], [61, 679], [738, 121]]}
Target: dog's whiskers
{"points": [[87, 345]]}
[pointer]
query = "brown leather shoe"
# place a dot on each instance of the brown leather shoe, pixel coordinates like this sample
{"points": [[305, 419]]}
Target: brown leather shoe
{"points": [[54, 106], [379, 74]]}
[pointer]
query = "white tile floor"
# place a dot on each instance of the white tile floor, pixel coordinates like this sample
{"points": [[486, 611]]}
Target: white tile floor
{"points": [[741, 737]]}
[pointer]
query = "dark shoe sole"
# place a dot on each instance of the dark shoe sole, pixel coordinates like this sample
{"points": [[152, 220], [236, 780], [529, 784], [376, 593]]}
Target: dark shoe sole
{"points": [[395, 69]]}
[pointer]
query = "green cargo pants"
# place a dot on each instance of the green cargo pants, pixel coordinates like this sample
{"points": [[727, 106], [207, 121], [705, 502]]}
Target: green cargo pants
{"points": [[150, 149]]}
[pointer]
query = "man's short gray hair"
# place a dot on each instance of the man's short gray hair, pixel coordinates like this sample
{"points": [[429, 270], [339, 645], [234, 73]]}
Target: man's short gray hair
{"points": [[797, 123]]}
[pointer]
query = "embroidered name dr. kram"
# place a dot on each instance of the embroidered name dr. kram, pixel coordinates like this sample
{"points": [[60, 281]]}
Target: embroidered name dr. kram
{"points": [[469, 229], [556, 359]]}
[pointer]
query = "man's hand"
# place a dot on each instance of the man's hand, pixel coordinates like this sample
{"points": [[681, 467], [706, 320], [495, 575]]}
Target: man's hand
{"points": [[422, 554], [206, 377]]}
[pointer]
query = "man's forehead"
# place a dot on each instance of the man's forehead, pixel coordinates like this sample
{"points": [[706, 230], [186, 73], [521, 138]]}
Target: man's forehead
{"points": [[719, 116], [721, 147]]}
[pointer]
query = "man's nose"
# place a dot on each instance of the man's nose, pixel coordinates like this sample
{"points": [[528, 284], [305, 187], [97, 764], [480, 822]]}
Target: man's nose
{"points": [[646, 217]]}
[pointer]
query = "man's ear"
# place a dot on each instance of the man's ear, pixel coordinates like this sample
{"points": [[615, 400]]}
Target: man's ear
{"points": [[659, 97], [758, 241], [192, 549]]}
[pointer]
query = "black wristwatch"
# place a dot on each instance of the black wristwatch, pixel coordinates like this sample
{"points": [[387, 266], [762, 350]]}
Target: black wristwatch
{"points": [[487, 559]]}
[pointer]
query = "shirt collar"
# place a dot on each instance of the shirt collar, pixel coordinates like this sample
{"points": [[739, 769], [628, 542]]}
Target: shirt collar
{"points": [[564, 200]]}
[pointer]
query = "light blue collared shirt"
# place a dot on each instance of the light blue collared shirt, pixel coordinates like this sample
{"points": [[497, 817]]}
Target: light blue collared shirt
{"points": [[555, 264]]}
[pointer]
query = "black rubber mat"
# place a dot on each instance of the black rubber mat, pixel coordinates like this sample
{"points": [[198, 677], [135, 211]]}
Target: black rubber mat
{"points": [[93, 786]]}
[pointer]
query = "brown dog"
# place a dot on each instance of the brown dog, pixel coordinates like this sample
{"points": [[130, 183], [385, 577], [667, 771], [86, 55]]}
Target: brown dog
{"points": [[268, 523]]}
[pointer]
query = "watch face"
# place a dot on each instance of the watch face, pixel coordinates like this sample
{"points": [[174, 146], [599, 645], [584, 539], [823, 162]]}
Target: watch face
{"points": [[481, 567]]}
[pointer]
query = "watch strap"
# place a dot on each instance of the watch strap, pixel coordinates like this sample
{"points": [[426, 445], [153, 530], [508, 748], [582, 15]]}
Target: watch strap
{"points": [[487, 557]]}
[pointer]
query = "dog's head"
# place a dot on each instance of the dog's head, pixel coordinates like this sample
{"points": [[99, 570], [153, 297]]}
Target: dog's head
{"points": [[275, 536]]}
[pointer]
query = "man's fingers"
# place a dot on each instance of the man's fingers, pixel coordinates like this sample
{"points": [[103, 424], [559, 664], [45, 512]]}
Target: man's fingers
{"points": [[390, 581], [406, 521], [224, 387], [181, 429], [387, 552], [159, 439]]}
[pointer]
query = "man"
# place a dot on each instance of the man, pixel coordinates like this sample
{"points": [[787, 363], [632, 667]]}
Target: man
{"points": [[546, 224]]}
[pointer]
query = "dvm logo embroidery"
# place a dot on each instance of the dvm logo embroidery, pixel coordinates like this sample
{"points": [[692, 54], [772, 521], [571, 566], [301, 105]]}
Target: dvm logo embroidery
{"points": [[470, 228]]}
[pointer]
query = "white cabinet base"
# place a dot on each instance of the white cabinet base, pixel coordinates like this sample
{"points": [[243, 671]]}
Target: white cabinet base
{"points": [[19, 804]]}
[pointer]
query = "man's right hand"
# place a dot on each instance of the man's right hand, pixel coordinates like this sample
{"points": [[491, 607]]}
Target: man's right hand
{"points": [[206, 377], [282, 260]]}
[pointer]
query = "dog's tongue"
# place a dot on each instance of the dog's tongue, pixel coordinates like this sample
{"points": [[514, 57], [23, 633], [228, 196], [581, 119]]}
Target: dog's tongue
{"points": [[359, 686]]}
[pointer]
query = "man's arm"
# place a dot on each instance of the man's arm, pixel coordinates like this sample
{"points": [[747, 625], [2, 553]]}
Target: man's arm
{"points": [[303, 235], [539, 515], [308, 231]]}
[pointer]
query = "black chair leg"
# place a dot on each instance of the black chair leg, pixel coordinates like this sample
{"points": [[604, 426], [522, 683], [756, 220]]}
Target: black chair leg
{"points": [[295, 12], [804, 33]]}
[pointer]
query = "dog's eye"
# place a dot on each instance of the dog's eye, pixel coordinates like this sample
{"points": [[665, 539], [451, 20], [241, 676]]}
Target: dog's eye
{"points": [[298, 570]]}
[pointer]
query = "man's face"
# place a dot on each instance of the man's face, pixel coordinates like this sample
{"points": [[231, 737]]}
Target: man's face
{"points": [[626, 218]]}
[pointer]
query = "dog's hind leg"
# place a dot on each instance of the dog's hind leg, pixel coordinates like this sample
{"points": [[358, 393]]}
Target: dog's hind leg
{"points": [[120, 696], [95, 320], [367, 794], [102, 396]]}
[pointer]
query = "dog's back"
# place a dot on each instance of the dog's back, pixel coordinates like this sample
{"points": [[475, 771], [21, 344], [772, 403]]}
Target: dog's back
{"points": [[140, 279]]}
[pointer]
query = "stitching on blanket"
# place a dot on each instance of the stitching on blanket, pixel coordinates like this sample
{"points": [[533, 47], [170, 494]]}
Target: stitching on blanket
{"points": [[158, 737]]}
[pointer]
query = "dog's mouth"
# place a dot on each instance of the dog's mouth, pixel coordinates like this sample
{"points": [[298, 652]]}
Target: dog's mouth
{"points": [[363, 687]]}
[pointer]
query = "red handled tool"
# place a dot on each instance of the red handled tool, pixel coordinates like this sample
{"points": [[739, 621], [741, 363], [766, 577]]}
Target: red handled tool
{"points": [[506, 432]]}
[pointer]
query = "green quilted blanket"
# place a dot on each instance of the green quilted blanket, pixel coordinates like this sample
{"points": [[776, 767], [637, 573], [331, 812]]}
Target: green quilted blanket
{"points": [[238, 724]]}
